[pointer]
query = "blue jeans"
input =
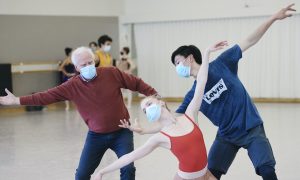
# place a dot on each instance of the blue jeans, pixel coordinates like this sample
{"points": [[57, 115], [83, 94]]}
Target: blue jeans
{"points": [[223, 151], [96, 144]]}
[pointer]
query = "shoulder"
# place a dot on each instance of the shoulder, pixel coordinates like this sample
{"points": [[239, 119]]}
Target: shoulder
{"points": [[237, 49], [69, 84], [107, 68], [98, 52], [110, 69], [233, 49], [109, 72], [74, 79], [158, 138]]}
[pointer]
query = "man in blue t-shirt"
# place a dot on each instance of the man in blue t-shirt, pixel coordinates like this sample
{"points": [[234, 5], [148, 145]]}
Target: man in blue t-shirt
{"points": [[228, 105]]}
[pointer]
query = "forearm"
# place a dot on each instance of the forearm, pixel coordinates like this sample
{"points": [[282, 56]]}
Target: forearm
{"points": [[144, 88], [134, 83], [195, 104], [56, 94], [133, 156], [257, 34], [203, 72], [254, 37], [36, 100], [121, 162]]}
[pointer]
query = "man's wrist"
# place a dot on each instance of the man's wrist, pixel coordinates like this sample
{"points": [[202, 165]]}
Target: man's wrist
{"points": [[17, 101]]}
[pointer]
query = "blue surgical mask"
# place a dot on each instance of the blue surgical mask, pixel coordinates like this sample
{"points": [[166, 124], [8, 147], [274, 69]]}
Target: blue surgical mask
{"points": [[106, 48], [183, 71], [153, 112], [88, 72]]}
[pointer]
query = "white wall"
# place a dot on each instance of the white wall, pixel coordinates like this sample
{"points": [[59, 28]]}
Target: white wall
{"points": [[141, 11], [158, 13], [62, 7], [270, 69], [31, 26], [160, 26]]}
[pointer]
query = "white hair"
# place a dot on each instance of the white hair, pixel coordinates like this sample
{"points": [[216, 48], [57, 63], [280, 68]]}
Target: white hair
{"points": [[80, 50]]}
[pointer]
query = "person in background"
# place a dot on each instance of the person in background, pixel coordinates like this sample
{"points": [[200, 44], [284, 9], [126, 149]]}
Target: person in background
{"points": [[128, 66], [68, 70], [94, 46], [103, 57]]}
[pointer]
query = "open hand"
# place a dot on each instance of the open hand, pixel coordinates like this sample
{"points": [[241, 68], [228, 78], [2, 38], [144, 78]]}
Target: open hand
{"points": [[9, 99], [217, 46], [135, 128], [285, 12]]}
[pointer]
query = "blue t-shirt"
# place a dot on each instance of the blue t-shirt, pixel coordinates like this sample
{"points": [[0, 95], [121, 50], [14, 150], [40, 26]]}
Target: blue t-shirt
{"points": [[226, 102]]}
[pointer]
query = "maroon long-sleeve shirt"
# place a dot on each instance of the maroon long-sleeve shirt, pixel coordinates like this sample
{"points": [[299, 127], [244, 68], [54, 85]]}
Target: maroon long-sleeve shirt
{"points": [[99, 101]]}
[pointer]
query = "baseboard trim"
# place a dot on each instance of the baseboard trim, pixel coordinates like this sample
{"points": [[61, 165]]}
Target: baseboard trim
{"points": [[256, 100], [61, 105]]}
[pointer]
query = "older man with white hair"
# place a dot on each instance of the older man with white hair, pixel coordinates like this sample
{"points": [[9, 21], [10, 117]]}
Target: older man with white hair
{"points": [[97, 95]]}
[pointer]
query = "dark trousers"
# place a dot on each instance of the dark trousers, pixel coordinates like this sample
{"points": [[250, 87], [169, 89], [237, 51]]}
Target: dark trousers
{"points": [[96, 144]]}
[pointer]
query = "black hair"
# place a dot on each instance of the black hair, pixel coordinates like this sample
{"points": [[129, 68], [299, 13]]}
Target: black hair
{"points": [[126, 49], [104, 38], [93, 43], [185, 51], [68, 51]]}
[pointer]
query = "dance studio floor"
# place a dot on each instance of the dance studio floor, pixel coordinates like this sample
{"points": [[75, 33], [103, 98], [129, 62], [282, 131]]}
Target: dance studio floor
{"points": [[47, 145]]}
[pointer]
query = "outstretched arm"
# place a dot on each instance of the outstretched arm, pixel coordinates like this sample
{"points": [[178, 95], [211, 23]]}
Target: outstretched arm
{"points": [[260, 31], [194, 106], [186, 101], [142, 151], [56, 94]]}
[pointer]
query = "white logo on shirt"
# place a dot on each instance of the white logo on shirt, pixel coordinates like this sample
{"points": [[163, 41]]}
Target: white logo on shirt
{"points": [[215, 92]]}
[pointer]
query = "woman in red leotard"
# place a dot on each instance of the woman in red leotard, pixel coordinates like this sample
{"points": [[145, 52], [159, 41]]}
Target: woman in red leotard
{"points": [[179, 134]]}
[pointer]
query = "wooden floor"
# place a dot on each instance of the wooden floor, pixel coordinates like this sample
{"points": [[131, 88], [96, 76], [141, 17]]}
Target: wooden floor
{"points": [[47, 145]]}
